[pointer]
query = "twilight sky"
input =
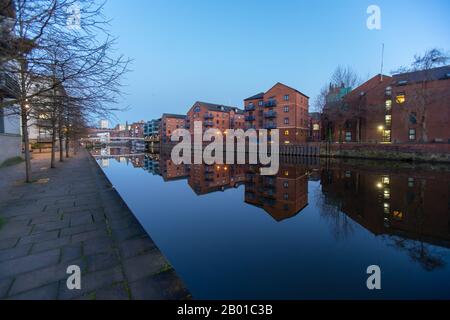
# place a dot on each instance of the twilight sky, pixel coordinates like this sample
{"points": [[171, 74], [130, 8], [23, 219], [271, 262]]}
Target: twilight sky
{"points": [[223, 51]]}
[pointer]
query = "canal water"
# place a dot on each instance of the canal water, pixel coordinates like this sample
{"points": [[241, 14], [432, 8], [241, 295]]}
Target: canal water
{"points": [[309, 232]]}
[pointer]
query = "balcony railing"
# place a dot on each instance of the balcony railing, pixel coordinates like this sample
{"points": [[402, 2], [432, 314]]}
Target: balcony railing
{"points": [[208, 116], [250, 107], [270, 103], [270, 126], [9, 85], [250, 118], [208, 123], [270, 114]]}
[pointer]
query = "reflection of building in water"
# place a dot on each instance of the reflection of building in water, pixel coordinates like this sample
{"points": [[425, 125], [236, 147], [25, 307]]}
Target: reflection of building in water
{"points": [[414, 208], [151, 163], [204, 179], [169, 170], [283, 196], [104, 163], [137, 161]]}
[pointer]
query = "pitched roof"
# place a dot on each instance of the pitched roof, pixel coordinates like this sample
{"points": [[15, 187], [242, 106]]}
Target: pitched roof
{"points": [[282, 84], [256, 96], [171, 115], [423, 75], [218, 107]]}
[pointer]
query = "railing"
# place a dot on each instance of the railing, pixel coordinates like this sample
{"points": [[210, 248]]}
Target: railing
{"points": [[208, 123], [9, 85], [270, 103], [270, 126], [208, 116], [270, 114], [250, 118], [250, 107]]}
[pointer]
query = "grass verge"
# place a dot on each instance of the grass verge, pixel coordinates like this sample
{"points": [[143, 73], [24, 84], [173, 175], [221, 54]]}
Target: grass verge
{"points": [[11, 162]]}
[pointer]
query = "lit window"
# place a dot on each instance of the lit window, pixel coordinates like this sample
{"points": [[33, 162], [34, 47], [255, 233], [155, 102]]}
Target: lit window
{"points": [[398, 215], [388, 105], [388, 120], [411, 182], [286, 132], [286, 173], [386, 180], [348, 136], [316, 127], [412, 134], [387, 194], [401, 98], [387, 208]]}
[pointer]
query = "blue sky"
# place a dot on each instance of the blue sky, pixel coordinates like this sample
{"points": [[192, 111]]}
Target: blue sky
{"points": [[223, 51]]}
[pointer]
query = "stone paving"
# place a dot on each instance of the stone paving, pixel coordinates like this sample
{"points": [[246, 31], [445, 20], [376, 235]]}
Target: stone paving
{"points": [[71, 216]]}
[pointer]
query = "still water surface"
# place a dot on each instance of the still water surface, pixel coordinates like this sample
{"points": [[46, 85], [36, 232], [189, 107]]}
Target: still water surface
{"points": [[308, 233]]}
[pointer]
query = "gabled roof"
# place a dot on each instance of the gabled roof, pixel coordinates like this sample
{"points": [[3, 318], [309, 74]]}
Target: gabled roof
{"points": [[171, 115], [364, 88], [423, 75], [218, 107], [282, 84], [256, 97]]}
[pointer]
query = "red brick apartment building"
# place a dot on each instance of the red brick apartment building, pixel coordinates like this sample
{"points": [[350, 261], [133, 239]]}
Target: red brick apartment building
{"points": [[405, 108], [215, 116], [170, 123], [282, 108]]}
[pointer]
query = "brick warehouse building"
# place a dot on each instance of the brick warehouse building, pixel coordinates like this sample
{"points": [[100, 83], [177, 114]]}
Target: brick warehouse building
{"points": [[215, 116], [282, 108], [170, 123], [406, 108]]}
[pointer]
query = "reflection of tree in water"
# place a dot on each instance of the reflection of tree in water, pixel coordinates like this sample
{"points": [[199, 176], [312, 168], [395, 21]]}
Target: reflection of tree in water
{"points": [[330, 210], [419, 252]]}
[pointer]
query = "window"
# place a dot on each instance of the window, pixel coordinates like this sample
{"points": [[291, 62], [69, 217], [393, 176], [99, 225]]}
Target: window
{"points": [[286, 97], [286, 133], [286, 120], [260, 103], [286, 196], [389, 91], [286, 185], [386, 135], [348, 136], [388, 105], [316, 127], [388, 120], [411, 182], [197, 109], [413, 118], [412, 134], [400, 98], [286, 109]]}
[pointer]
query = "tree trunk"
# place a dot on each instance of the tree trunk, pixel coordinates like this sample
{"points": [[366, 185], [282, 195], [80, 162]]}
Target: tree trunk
{"points": [[26, 142], [61, 151], [52, 161], [67, 146]]}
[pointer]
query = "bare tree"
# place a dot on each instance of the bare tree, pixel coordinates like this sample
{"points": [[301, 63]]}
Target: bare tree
{"points": [[79, 61], [421, 94]]}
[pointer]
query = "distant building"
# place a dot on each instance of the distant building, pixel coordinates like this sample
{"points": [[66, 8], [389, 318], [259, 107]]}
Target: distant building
{"points": [[170, 123], [282, 108], [151, 128], [103, 124], [315, 126], [215, 116], [137, 129]]}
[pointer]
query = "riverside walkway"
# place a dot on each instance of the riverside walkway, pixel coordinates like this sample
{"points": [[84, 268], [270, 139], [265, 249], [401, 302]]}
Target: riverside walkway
{"points": [[71, 216]]}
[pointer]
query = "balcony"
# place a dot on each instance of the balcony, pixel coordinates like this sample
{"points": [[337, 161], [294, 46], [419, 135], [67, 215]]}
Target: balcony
{"points": [[270, 103], [208, 123], [250, 127], [270, 114], [8, 85], [208, 116], [250, 118], [250, 107], [270, 126]]}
